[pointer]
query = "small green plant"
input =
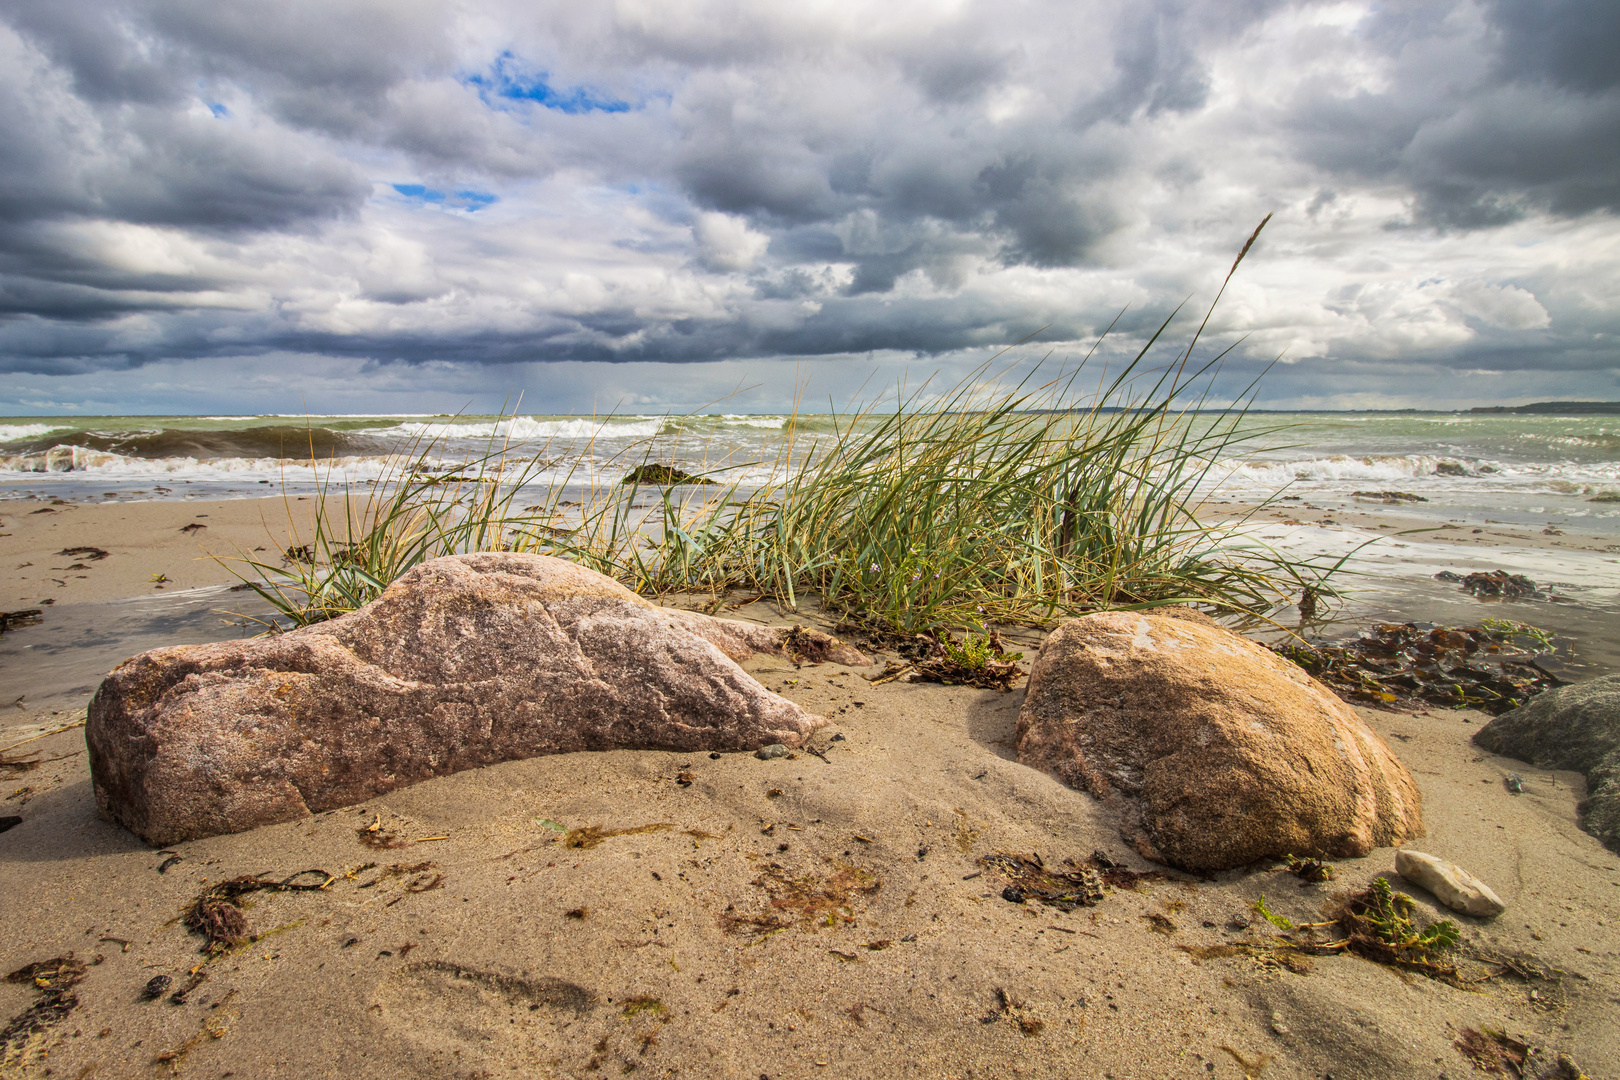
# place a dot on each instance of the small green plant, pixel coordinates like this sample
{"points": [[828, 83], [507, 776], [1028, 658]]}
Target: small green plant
{"points": [[976, 660], [1388, 915], [972, 653], [1281, 922]]}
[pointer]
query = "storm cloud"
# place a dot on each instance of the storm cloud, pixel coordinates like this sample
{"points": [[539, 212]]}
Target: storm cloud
{"points": [[481, 193]]}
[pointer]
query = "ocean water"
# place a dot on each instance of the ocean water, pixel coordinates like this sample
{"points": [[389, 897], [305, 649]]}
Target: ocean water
{"points": [[1514, 474]]}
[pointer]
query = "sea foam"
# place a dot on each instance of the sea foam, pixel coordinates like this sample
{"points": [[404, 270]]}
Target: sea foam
{"points": [[18, 432], [524, 429]]}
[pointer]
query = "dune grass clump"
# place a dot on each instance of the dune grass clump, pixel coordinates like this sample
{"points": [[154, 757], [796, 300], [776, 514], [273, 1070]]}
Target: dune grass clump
{"points": [[978, 508], [983, 504]]}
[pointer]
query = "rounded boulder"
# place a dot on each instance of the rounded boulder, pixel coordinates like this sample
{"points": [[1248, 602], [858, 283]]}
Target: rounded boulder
{"points": [[1215, 751]]}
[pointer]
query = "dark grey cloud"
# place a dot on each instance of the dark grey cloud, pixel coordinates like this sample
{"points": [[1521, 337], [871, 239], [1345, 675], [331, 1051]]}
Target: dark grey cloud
{"points": [[951, 70], [676, 182], [1480, 130], [1571, 44]]}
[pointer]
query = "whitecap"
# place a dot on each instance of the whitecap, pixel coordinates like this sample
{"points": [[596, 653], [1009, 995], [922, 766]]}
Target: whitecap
{"points": [[18, 432]]}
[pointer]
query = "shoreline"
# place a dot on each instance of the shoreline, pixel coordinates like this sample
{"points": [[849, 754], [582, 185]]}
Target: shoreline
{"points": [[141, 540], [1373, 517], [148, 537]]}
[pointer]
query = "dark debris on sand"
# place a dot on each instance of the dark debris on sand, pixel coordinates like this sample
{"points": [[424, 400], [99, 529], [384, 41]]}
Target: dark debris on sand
{"points": [[54, 979], [1494, 1051], [218, 917], [1492, 666], [1082, 884]]}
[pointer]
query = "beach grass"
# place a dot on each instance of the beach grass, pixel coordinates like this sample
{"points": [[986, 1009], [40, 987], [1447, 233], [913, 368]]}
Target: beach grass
{"points": [[361, 538], [981, 504]]}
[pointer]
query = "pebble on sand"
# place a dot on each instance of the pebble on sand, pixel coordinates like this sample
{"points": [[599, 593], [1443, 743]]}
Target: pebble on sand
{"points": [[1451, 884]]}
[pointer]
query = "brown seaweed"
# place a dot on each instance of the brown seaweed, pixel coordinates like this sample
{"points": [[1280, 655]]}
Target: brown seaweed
{"points": [[590, 836], [93, 554], [1374, 923], [1493, 1050], [1028, 878], [1492, 666], [54, 979], [804, 900], [218, 917]]}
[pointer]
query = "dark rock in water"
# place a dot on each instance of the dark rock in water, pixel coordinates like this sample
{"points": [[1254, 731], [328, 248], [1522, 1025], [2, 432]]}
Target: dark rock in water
{"points": [[1450, 468], [1388, 496], [662, 476], [1215, 751], [1450, 576], [11, 620], [465, 661], [1573, 727], [1499, 583]]}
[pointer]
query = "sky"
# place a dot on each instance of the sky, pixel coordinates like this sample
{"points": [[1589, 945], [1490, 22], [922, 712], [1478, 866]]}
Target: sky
{"points": [[211, 206]]}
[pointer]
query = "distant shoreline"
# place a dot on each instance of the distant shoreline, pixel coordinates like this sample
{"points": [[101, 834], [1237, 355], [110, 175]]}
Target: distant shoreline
{"points": [[1535, 408], [1576, 408]]}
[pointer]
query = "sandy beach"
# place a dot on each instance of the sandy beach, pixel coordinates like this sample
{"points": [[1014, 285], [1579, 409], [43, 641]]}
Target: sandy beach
{"points": [[142, 541], [592, 914]]}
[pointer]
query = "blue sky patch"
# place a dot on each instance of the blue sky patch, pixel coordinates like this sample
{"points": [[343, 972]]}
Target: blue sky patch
{"points": [[510, 80], [459, 199]]}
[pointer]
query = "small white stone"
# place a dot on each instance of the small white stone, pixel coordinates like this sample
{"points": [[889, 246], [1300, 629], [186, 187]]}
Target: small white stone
{"points": [[1451, 884]]}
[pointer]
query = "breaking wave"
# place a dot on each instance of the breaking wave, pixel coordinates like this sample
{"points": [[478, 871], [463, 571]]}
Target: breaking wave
{"points": [[525, 429], [1432, 470], [18, 432], [156, 444], [104, 464]]}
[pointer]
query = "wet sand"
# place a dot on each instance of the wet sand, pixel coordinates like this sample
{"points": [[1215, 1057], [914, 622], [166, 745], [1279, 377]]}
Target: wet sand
{"points": [[1374, 516], [144, 541], [501, 950]]}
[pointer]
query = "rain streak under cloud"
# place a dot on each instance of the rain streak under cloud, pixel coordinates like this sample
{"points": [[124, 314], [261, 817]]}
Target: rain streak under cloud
{"points": [[211, 205]]}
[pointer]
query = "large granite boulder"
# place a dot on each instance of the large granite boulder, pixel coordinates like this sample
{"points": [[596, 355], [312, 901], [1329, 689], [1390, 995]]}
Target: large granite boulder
{"points": [[464, 661], [1573, 727], [1215, 751]]}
